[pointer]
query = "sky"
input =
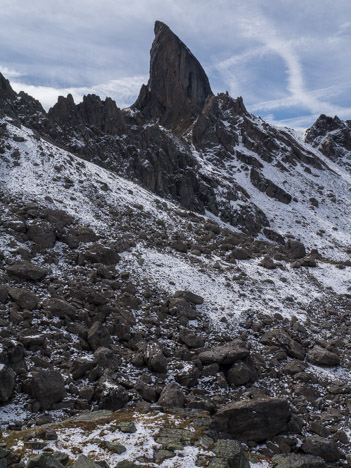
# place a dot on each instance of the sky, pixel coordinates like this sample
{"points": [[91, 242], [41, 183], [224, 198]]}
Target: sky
{"points": [[290, 60]]}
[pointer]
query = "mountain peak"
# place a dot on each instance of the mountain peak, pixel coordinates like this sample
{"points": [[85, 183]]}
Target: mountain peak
{"points": [[178, 86]]}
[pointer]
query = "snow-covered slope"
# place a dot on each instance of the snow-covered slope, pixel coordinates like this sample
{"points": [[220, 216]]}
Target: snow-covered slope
{"points": [[163, 249]]}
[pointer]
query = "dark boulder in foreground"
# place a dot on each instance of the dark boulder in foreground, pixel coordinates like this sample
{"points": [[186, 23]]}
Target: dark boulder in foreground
{"points": [[255, 420]]}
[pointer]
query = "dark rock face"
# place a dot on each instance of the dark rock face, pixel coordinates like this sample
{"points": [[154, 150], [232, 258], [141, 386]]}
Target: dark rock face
{"points": [[331, 136], [92, 113], [255, 420], [267, 186], [178, 86], [20, 106]]}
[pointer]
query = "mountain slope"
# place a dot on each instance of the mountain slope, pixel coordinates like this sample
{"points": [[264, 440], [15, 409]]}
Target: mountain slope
{"points": [[206, 269]]}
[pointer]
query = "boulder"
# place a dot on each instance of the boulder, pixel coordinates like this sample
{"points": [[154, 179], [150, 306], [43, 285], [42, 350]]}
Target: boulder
{"points": [[3, 294], [327, 449], [44, 460], [293, 460], [24, 298], [230, 451], [12, 355], [254, 420], [279, 337], [42, 234], [188, 376], [7, 383], [27, 271], [192, 340], [295, 249], [98, 253], [82, 234], [115, 399], [226, 354], [171, 396], [240, 374], [189, 297], [47, 387], [98, 336], [80, 367], [155, 359], [322, 357], [59, 308], [85, 462], [181, 308]]}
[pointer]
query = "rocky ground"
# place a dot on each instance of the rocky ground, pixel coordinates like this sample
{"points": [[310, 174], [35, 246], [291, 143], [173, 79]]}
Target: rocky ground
{"points": [[112, 298]]}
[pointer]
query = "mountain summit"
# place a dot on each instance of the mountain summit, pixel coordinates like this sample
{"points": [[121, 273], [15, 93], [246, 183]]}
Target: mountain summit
{"points": [[178, 86]]}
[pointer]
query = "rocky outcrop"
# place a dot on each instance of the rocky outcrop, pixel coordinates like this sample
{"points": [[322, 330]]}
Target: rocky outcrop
{"points": [[91, 116], [332, 136], [178, 86]]}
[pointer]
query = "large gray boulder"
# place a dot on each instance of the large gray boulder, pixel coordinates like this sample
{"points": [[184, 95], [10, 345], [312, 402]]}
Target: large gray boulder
{"points": [[59, 308], [155, 359], [293, 460], [47, 387], [230, 451], [27, 271], [327, 449], [85, 462], [24, 298], [42, 234], [322, 357], [226, 354], [171, 396]]}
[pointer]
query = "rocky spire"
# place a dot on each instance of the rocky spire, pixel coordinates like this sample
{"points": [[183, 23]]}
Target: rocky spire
{"points": [[7, 95], [178, 85]]}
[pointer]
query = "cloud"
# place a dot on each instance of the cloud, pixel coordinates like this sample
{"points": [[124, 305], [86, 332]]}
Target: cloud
{"points": [[123, 91], [9, 73], [275, 54]]}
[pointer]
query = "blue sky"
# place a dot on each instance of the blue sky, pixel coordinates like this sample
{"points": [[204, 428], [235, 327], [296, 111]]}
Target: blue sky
{"points": [[289, 60]]}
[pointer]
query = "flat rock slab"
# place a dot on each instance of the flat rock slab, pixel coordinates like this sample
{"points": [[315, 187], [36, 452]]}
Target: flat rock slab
{"points": [[27, 271], [253, 420], [297, 461], [225, 355]]}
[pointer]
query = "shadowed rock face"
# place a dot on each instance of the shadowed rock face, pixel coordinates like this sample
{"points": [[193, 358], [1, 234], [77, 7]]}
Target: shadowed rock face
{"points": [[104, 116], [178, 85], [332, 136]]}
